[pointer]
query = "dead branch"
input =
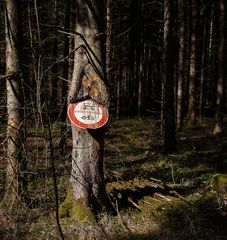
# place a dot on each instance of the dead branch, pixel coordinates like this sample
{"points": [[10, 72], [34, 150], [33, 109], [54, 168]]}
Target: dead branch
{"points": [[176, 194]]}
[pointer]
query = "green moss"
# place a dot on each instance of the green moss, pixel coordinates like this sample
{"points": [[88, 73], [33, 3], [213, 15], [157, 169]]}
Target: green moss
{"points": [[10, 72], [219, 182], [82, 213], [76, 209], [66, 207]]}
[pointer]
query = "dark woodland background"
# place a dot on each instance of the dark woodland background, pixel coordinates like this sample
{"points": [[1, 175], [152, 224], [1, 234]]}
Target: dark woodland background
{"points": [[164, 64]]}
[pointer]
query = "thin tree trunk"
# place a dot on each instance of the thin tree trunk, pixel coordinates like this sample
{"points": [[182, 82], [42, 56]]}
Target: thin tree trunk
{"points": [[53, 79], [139, 60], [38, 68], [181, 68], [132, 57], [210, 43], [213, 55], [218, 128], [169, 111], [118, 83], [64, 83], [191, 104], [203, 66]]}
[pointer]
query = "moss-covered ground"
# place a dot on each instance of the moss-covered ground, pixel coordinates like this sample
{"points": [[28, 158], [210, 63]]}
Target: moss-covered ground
{"points": [[156, 196]]}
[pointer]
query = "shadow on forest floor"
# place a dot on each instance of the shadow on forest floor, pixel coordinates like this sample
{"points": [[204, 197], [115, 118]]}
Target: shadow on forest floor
{"points": [[170, 179], [156, 196], [133, 155]]}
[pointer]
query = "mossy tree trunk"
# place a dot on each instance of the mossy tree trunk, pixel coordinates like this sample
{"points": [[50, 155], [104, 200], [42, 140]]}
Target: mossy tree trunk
{"points": [[15, 163], [87, 177]]}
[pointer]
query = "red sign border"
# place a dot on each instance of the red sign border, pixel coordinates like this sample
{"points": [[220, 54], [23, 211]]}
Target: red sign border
{"points": [[79, 124]]}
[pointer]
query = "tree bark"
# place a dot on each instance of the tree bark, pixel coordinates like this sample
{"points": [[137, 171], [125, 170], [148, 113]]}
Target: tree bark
{"points": [[87, 82], [108, 38], [181, 68], [15, 163], [191, 103]]}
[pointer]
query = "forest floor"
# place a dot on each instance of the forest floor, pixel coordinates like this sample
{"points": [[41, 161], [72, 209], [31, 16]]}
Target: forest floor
{"points": [[156, 196]]}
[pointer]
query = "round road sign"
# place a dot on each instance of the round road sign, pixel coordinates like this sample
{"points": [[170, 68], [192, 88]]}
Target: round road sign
{"points": [[88, 114]]}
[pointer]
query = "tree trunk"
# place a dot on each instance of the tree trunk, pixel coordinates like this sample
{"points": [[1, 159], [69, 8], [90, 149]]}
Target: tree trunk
{"points": [[218, 128], [133, 36], [53, 78], [169, 113], [181, 68], [63, 84], [191, 103], [108, 38], [15, 163], [139, 60], [87, 177], [203, 64]]}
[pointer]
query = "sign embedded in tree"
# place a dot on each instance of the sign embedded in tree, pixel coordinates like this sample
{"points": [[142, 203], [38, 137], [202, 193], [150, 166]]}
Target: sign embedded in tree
{"points": [[88, 114]]}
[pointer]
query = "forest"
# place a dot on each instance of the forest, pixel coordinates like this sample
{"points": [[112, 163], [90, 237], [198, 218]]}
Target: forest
{"points": [[113, 120]]}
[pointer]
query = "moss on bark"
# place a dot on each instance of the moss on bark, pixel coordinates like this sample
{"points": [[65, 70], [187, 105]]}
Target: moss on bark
{"points": [[76, 208], [82, 213]]}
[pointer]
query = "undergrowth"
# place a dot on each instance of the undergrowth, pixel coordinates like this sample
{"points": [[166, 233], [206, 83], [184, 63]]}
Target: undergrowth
{"points": [[156, 196]]}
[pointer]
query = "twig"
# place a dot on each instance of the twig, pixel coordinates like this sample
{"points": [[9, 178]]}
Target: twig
{"points": [[148, 203], [172, 173], [4, 77], [155, 180], [181, 197], [120, 218], [162, 197], [134, 204], [86, 44]]}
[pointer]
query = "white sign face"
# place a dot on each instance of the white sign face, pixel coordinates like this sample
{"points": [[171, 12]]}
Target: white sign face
{"points": [[88, 112]]}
